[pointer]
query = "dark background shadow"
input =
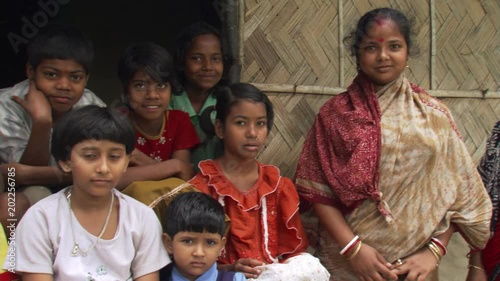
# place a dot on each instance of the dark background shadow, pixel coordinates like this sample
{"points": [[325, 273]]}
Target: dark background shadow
{"points": [[111, 25]]}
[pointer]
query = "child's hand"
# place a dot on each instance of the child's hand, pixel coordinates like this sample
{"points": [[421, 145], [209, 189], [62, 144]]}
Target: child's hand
{"points": [[370, 265], [36, 104], [186, 170], [247, 266], [417, 265], [138, 158]]}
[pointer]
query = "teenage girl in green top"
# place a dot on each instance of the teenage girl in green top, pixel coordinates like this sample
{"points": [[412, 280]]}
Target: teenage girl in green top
{"points": [[201, 66]]}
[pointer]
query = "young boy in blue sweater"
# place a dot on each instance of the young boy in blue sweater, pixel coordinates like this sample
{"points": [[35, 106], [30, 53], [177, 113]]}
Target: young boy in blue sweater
{"points": [[194, 238]]}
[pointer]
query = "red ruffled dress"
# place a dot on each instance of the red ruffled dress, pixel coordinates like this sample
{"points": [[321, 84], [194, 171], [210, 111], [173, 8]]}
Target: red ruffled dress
{"points": [[265, 222]]}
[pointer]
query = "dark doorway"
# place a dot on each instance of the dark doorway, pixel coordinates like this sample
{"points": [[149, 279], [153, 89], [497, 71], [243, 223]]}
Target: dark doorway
{"points": [[110, 24]]}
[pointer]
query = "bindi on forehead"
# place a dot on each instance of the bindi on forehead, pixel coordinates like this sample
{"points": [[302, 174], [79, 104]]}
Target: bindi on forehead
{"points": [[378, 28]]}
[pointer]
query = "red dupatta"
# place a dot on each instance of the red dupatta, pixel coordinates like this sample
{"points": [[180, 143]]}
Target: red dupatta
{"points": [[339, 163]]}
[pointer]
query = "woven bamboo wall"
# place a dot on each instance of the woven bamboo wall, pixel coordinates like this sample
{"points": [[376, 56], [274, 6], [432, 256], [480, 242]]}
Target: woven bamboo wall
{"points": [[298, 43]]}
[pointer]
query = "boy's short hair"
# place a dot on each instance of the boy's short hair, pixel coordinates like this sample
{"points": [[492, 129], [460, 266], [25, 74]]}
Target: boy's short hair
{"points": [[194, 212], [91, 122], [58, 41]]}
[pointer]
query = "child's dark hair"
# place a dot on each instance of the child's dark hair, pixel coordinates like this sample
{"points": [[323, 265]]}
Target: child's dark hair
{"points": [[91, 122], [184, 42], [230, 95], [152, 59], [58, 41], [405, 25], [194, 212]]}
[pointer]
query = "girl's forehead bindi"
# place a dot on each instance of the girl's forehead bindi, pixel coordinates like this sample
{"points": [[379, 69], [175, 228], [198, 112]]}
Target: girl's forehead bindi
{"points": [[378, 28]]}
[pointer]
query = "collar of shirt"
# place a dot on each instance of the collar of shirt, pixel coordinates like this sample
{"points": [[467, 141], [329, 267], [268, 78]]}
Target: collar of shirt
{"points": [[181, 102], [209, 275]]}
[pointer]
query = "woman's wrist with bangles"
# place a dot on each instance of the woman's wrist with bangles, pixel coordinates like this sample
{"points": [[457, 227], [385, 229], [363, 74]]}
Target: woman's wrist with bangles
{"points": [[440, 245], [352, 248], [437, 248]]}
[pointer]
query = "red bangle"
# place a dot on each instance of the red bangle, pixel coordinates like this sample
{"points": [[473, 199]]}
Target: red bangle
{"points": [[351, 247], [440, 244]]}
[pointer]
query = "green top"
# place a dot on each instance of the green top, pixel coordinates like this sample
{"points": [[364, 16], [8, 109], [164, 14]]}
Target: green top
{"points": [[208, 149]]}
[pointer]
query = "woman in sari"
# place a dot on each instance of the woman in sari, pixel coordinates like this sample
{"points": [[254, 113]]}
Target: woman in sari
{"points": [[485, 265], [385, 170]]}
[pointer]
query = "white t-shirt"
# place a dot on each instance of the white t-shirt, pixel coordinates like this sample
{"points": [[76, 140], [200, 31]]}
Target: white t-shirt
{"points": [[44, 242]]}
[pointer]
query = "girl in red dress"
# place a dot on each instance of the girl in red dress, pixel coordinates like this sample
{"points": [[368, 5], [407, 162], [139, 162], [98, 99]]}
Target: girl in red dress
{"points": [[164, 138], [266, 240]]}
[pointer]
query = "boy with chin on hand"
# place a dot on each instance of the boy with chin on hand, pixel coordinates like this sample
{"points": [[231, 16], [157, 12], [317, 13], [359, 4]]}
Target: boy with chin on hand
{"points": [[59, 61]]}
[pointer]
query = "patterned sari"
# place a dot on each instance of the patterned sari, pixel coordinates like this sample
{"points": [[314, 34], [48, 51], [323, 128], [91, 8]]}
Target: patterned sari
{"points": [[489, 169], [394, 163]]}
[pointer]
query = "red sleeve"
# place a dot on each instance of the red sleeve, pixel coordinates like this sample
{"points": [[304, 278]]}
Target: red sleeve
{"points": [[200, 183], [292, 237], [183, 133]]}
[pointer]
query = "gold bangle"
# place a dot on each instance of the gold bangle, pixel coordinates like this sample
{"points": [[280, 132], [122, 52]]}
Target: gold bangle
{"points": [[475, 267], [436, 255], [436, 249], [433, 251], [356, 251]]}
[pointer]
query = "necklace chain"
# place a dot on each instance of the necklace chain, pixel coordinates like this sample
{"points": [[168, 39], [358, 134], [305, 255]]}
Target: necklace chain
{"points": [[76, 246]]}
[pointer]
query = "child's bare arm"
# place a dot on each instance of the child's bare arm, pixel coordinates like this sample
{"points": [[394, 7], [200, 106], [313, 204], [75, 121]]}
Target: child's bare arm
{"points": [[138, 158], [245, 265], [37, 151], [36, 277], [184, 155], [158, 171]]}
